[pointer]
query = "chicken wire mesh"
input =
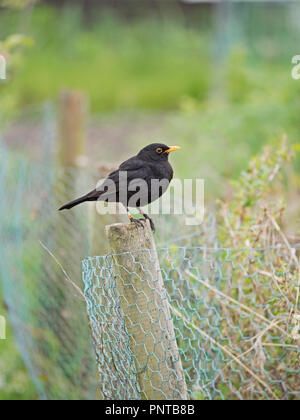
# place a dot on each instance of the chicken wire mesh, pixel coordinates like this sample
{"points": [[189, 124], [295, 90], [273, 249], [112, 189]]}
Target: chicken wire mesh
{"points": [[47, 315], [235, 312], [42, 308], [235, 315]]}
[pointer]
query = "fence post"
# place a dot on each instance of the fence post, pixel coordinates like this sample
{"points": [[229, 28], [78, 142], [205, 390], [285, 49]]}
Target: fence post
{"points": [[146, 311], [73, 117], [73, 108]]}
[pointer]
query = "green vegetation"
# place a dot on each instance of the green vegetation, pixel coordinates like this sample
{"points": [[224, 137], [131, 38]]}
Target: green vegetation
{"points": [[148, 64], [14, 381], [267, 280], [222, 98], [208, 96], [119, 65]]}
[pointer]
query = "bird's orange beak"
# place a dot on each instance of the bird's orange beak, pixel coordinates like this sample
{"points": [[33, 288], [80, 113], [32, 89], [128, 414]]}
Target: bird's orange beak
{"points": [[173, 149]]}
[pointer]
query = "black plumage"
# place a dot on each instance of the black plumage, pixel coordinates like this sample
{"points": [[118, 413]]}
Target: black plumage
{"points": [[148, 174]]}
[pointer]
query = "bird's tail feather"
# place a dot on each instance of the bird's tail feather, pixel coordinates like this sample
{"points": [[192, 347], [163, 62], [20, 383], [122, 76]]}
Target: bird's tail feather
{"points": [[92, 196]]}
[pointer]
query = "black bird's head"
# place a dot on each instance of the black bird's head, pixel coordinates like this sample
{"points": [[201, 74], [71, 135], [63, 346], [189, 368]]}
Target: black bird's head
{"points": [[156, 152]]}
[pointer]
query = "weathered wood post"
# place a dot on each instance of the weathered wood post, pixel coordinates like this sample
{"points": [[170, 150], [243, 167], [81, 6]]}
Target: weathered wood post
{"points": [[146, 310], [73, 118]]}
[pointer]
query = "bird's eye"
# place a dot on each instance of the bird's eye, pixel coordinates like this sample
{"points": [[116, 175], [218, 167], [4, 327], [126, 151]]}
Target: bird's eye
{"points": [[159, 151]]}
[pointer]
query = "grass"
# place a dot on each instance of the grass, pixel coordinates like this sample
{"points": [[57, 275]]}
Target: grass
{"points": [[119, 65], [209, 102], [148, 64]]}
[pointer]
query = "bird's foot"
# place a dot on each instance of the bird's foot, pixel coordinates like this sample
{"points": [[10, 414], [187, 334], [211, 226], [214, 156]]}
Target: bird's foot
{"points": [[137, 222], [151, 221]]}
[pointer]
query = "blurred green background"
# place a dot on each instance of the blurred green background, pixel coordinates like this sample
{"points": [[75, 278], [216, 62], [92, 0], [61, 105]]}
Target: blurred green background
{"points": [[214, 78]]}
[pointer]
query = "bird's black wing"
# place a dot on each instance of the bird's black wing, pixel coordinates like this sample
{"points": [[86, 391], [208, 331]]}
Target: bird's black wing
{"points": [[134, 168], [127, 178]]}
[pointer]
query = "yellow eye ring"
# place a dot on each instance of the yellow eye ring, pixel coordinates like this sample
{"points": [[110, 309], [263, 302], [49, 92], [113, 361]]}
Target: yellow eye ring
{"points": [[159, 150]]}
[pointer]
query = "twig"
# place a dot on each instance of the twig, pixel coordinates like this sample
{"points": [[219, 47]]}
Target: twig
{"points": [[273, 277], [231, 232], [293, 255], [280, 345], [67, 277], [275, 172], [283, 237]]}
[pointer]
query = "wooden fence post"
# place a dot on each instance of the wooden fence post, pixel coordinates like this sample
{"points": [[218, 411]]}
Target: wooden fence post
{"points": [[73, 118], [147, 314]]}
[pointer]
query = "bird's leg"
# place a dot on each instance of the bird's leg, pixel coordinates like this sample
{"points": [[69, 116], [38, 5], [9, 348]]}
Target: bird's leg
{"points": [[133, 220], [147, 218]]}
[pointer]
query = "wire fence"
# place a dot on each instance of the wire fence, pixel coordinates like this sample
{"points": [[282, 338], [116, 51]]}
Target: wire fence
{"points": [[43, 309], [46, 313], [235, 314]]}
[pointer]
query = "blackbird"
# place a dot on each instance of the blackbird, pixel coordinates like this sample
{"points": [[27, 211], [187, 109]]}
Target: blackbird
{"points": [[139, 181]]}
